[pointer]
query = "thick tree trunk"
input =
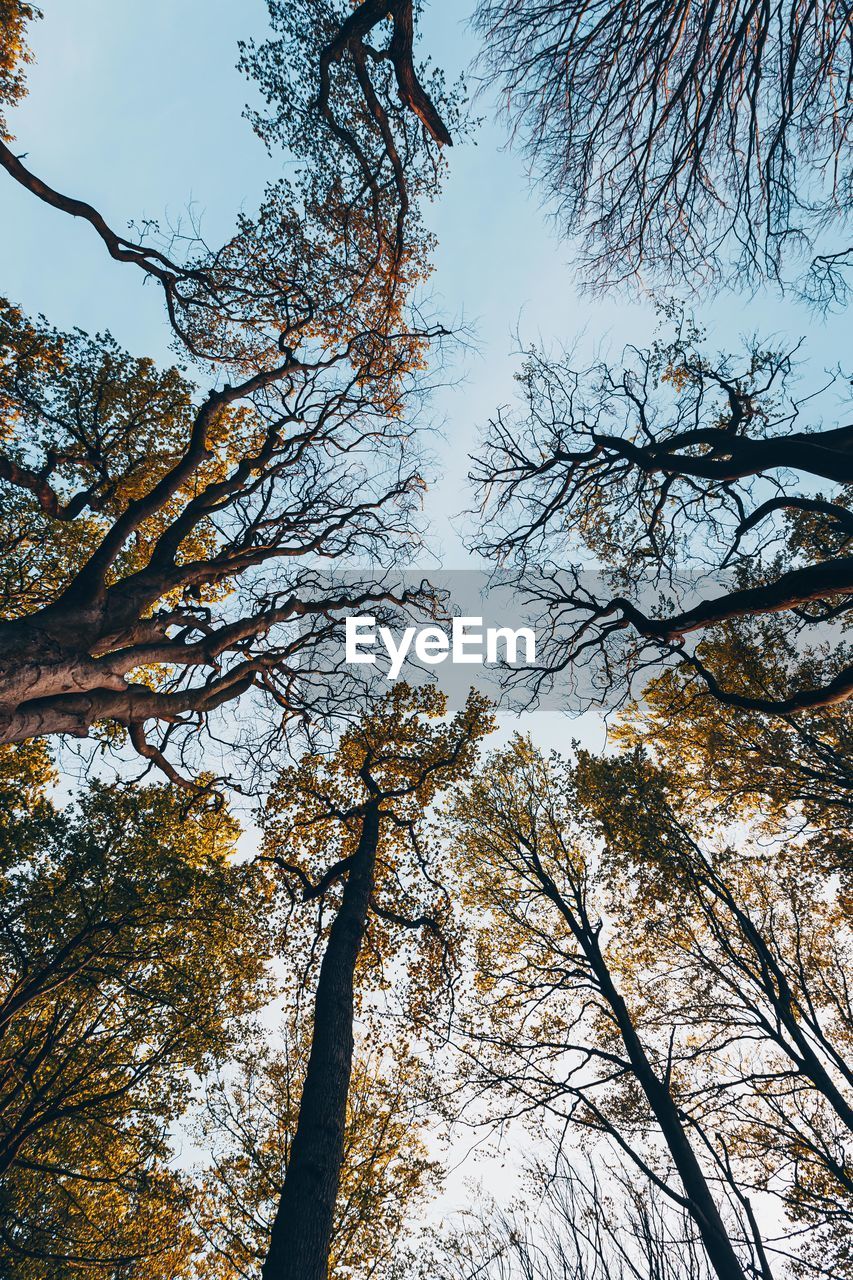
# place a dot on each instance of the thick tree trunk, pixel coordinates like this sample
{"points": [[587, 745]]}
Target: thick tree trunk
{"points": [[302, 1230], [828, 454]]}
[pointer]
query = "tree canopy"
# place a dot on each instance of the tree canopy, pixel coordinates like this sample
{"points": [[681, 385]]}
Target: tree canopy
{"points": [[132, 950], [658, 989], [673, 499], [163, 542]]}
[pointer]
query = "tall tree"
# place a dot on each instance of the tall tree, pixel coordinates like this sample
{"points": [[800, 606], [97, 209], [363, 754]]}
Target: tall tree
{"points": [[162, 544], [344, 833], [677, 499], [562, 1025], [247, 1126], [755, 933], [132, 949], [717, 139], [656, 987]]}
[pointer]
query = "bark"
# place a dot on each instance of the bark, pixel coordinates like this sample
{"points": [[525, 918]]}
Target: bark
{"points": [[700, 1201], [149, 259], [836, 690], [796, 587], [702, 1205], [828, 454], [412, 93], [67, 667], [302, 1230]]}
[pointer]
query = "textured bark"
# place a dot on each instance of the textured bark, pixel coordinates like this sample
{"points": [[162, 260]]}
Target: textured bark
{"points": [[827, 578], [358, 25], [828, 454], [302, 1230]]}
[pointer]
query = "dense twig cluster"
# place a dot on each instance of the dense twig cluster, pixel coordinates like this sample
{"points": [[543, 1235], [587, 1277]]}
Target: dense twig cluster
{"points": [[681, 139], [690, 489]]}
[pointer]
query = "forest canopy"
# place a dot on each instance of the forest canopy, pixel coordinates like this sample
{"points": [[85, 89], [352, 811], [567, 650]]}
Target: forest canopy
{"points": [[312, 970]]}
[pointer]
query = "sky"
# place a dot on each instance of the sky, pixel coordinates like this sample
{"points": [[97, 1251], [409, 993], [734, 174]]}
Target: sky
{"points": [[138, 109]]}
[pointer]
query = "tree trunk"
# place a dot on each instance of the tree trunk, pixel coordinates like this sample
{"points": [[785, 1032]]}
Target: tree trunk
{"points": [[702, 1205], [302, 1230], [700, 1202]]}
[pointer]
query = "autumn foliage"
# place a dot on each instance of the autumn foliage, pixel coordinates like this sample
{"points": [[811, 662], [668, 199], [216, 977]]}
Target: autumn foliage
{"points": [[282, 949]]}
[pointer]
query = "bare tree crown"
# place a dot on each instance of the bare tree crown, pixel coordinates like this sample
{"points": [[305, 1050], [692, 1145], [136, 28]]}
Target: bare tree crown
{"points": [[681, 140]]}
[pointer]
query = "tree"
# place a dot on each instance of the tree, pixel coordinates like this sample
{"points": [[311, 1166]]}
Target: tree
{"points": [[776, 773], [688, 480], [162, 546], [132, 949], [563, 1023], [574, 1223], [716, 142], [14, 16], [757, 938], [247, 1128], [344, 833], [681, 995]]}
